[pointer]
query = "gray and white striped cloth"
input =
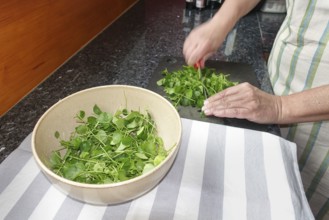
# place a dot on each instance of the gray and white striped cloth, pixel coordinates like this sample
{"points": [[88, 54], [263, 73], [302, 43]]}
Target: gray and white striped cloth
{"points": [[220, 172]]}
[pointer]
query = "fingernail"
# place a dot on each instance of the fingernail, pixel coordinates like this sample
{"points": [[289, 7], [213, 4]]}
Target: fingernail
{"points": [[206, 111]]}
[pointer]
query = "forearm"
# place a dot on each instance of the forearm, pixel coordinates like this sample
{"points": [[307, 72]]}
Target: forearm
{"points": [[205, 39], [307, 106], [231, 12]]}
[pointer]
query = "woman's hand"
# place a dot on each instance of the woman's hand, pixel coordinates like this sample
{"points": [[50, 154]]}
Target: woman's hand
{"points": [[202, 42], [245, 101], [205, 39]]}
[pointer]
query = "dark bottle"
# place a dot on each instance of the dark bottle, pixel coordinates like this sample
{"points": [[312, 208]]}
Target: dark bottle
{"points": [[187, 21], [197, 18], [214, 4], [189, 4], [200, 4]]}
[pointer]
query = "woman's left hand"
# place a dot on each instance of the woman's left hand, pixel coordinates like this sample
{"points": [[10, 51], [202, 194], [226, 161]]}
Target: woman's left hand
{"points": [[245, 101]]}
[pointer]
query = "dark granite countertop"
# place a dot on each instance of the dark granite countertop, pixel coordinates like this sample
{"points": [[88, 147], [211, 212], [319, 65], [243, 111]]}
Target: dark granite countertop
{"points": [[129, 50]]}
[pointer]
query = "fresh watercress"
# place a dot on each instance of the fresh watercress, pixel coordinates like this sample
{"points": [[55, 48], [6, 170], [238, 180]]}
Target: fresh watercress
{"points": [[190, 86], [108, 148]]}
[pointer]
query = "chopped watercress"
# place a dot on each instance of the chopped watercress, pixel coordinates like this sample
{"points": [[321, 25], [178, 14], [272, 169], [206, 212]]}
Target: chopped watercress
{"points": [[109, 148], [190, 86]]}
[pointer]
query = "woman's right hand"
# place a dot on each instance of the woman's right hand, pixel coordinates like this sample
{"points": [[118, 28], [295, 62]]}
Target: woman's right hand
{"points": [[205, 39], [202, 42]]}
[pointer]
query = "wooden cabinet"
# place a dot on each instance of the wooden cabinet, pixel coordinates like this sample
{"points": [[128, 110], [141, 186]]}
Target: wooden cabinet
{"points": [[37, 36]]}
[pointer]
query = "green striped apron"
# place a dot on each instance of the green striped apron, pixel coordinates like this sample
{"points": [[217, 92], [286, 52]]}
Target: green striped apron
{"points": [[299, 61]]}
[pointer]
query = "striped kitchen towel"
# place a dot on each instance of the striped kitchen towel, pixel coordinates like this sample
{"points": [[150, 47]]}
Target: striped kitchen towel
{"points": [[220, 172]]}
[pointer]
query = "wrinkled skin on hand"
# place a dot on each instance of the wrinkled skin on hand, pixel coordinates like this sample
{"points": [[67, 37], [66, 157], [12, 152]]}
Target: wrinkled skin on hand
{"points": [[245, 101]]}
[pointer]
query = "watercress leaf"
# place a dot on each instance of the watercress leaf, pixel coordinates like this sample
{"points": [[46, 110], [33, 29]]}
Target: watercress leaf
{"points": [[170, 90], [65, 144], [133, 115], [84, 155], [140, 165], [159, 141], [107, 180], [197, 93], [199, 102], [55, 159], [81, 114], [185, 102], [142, 156], [118, 113], [158, 159], [119, 122], [71, 171], [104, 117], [82, 129], [178, 89], [101, 135], [92, 121], [57, 135], [97, 110], [122, 175], [96, 153], [161, 82], [148, 167], [149, 147], [127, 140], [125, 112], [99, 167], [75, 142], [132, 124], [121, 147], [142, 133], [165, 71], [116, 138], [189, 93], [106, 170], [85, 146], [67, 154]]}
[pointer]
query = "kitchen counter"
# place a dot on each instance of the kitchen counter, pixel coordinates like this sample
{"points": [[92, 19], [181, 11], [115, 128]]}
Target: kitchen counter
{"points": [[129, 50]]}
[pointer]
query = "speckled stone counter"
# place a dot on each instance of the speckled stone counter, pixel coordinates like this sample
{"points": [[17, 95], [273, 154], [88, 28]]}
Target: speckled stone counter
{"points": [[128, 51]]}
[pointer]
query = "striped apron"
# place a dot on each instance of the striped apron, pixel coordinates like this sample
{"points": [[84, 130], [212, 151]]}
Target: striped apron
{"points": [[299, 61]]}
